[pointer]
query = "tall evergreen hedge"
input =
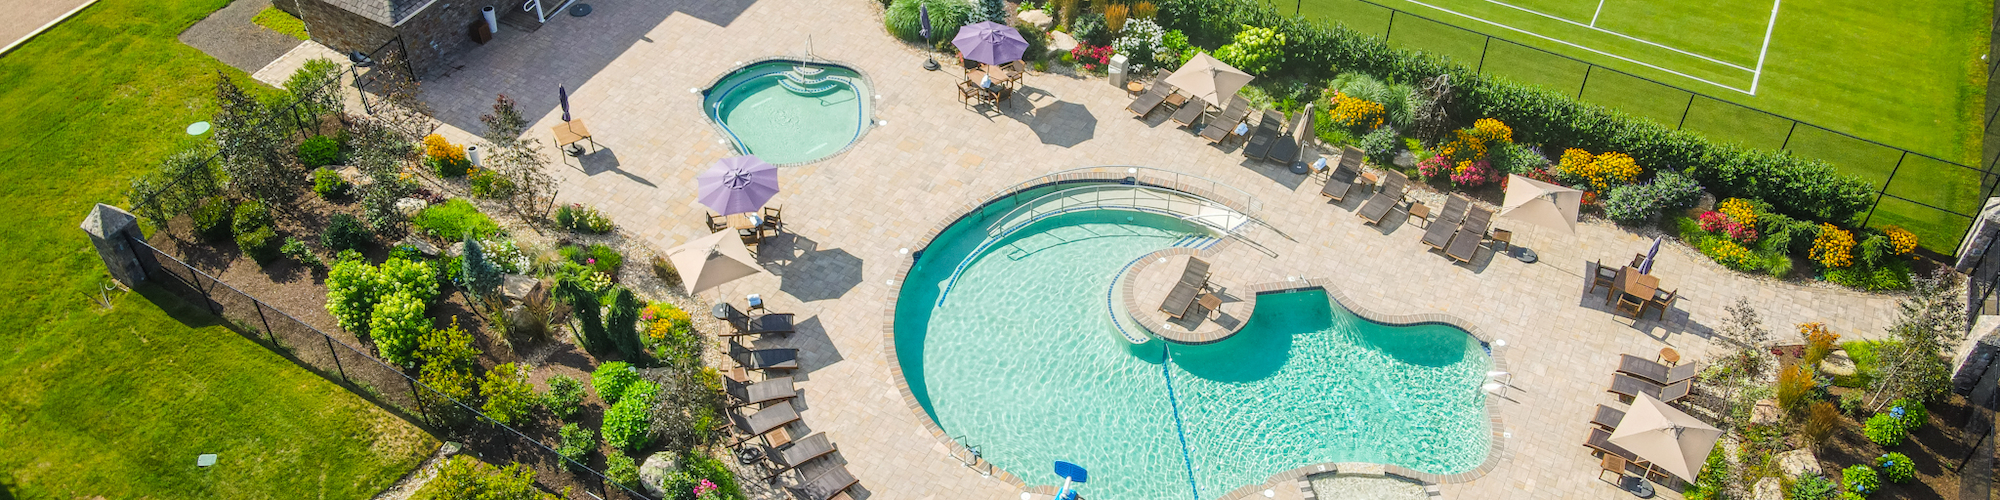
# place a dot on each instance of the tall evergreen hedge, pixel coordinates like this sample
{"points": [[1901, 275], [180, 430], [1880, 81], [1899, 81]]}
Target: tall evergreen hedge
{"points": [[1799, 187]]}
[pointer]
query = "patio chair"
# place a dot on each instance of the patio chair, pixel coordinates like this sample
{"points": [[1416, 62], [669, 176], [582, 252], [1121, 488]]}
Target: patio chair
{"points": [[773, 219], [1265, 135], [1650, 371], [1601, 276], [1607, 418], [762, 324], [717, 223], [777, 389], [1438, 235], [1662, 300], [1190, 111], [1471, 233], [968, 92], [1386, 199], [764, 359], [1224, 125], [1631, 387], [1341, 179], [1285, 149], [1630, 305], [832, 482], [763, 422], [796, 453]]}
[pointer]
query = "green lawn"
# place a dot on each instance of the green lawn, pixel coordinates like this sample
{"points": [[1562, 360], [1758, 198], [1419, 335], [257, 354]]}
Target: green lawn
{"points": [[279, 21], [1906, 75], [118, 404]]}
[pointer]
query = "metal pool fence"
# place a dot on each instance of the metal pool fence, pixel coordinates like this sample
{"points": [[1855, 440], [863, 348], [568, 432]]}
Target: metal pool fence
{"points": [[361, 372], [1935, 198]]}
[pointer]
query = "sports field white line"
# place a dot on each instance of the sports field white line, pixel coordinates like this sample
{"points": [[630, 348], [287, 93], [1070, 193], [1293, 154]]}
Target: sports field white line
{"points": [[1593, 26], [1768, 28], [1595, 14], [1591, 50]]}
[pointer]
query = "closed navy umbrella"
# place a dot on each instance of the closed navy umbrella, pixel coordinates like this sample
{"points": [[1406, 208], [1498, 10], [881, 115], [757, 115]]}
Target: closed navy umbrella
{"points": [[924, 20], [562, 93]]}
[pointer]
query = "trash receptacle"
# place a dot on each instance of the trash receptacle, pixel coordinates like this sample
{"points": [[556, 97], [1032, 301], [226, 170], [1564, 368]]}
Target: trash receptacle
{"points": [[1116, 70]]}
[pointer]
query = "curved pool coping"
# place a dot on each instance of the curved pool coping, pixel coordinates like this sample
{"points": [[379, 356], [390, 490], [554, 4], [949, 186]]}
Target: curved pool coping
{"points": [[1496, 447], [868, 107]]}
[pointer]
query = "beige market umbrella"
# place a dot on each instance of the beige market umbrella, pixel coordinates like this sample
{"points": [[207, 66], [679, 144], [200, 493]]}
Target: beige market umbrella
{"points": [[1209, 79], [1666, 436], [713, 260], [1542, 204]]}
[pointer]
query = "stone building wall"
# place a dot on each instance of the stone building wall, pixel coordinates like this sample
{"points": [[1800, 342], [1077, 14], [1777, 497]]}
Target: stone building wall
{"points": [[340, 29], [435, 34]]}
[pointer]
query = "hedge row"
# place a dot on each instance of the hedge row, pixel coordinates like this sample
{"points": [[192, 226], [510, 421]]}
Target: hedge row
{"points": [[1314, 51]]}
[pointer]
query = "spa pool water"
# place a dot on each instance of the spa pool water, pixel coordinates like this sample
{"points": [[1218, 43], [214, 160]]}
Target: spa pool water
{"points": [[769, 110]]}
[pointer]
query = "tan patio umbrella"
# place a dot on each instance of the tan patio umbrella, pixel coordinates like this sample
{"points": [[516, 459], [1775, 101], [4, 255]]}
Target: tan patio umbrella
{"points": [[1209, 79], [1542, 204], [1666, 436], [712, 260]]}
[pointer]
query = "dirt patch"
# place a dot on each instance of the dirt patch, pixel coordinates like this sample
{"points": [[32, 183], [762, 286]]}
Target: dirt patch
{"points": [[1938, 449]]}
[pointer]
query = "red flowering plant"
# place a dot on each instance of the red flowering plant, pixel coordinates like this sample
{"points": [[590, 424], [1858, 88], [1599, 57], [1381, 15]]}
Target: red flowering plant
{"points": [[1435, 167], [1721, 223], [1475, 173], [1091, 57]]}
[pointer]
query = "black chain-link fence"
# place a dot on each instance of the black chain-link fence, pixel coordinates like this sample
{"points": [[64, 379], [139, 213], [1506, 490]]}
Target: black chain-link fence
{"points": [[359, 371], [1932, 197]]}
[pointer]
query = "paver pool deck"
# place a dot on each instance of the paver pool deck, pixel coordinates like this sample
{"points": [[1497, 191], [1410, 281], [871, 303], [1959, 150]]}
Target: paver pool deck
{"points": [[630, 67]]}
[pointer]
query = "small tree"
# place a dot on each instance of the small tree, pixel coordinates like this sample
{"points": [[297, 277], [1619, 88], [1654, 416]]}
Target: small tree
{"points": [[1914, 365], [481, 276], [509, 396], [253, 146], [177, 186], [622, 325], [518, 160], [588, 315], [991, 10], [448, 358]]}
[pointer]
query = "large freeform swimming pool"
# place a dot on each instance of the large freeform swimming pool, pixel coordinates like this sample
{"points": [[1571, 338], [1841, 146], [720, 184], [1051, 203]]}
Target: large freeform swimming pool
{"points": [[790, 112], [1020, 361]]}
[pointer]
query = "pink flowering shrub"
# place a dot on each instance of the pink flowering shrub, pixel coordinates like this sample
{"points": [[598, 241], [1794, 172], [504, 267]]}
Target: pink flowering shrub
{"points": [[1434, 167], [1090, 57], [1721, 223], [1474, 173]]}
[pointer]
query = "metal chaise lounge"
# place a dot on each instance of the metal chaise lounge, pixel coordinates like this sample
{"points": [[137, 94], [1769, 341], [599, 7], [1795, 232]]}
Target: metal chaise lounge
{"points": [[1654, 372], [796, 453], [1147, 102], [1265, 135], [1600, 440], [779, 323], [1607, 418], [1190, 111], [1341, 179], [777, 389], [1465, 243], [764, 359], [1285, 150], [763, 422], [1386, 199], [1629, 386], [1438, 234], [1193, 278], [1224, 125], [829, 483]]}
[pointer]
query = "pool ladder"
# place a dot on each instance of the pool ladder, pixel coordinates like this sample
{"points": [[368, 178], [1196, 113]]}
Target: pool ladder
{"points": [[972, 459]]}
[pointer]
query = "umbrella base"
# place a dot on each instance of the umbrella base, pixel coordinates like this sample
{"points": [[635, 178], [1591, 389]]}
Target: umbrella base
{"points": [[749, 455], [930, 64], [1299, 168], [579, 10], [1637, 486], [1525, 255]]}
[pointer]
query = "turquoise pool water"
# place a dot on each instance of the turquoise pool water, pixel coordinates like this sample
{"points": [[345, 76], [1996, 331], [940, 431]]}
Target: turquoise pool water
{"points": [[1020, 361], [788, 119]]}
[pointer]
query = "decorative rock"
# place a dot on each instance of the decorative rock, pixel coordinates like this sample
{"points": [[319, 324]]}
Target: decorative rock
{"points": [[1770, 489], [1039, 18], [1837, 364], [654, 470], [1797, 462], [410, 206], [352, 175], [1405, 159], [1706, 203], [521, 289], [1766, 412], [1061, 43], [423, 246]]}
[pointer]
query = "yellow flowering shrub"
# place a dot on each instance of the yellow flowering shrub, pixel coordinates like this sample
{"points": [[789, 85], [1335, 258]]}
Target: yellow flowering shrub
{"points": [[1490, 130], [1730, 254], [1601, 171], [1739, 210], [664, 320], [1834, 247], [436, 147], [1356, 112], [1901, 240], [1472, 144]]}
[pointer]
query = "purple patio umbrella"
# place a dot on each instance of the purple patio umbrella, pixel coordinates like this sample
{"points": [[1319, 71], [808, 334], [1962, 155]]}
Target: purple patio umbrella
{"points": [[737, 185], [1647, 266], [562, 94], [991, 43]]}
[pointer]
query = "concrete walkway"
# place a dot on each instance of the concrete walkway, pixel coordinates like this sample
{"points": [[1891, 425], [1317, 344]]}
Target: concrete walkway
{"points": [[630, 67]]}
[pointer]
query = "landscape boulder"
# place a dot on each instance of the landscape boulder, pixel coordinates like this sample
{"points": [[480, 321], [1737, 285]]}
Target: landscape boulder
{"points": [[654, 471], [1039, 18]]}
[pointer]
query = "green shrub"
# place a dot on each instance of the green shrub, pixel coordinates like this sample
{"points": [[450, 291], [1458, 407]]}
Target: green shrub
{"points": [[621, 324], [508, 394], [260, 244], [448, 360], [345, 232], [597, 257], [319, 151], [1860, 479], [1089, 29], [490, 185], [696, 467], [582, 219], [394, 324], [1850, 403], [628, 425], [565, 396], [408, 277], [250, 216], [1897, 467], [1257, 51], [1910, 412], [1885, 430], [351, 289], [1813, 487], [946, 17], [297, 250], [1038, 41], [1636, 203], [212, 217], [463, 477], [1519, 159], [453, 220], [612, 379], [1380, 146], [620, 469], [577, 443], [329, 184]]}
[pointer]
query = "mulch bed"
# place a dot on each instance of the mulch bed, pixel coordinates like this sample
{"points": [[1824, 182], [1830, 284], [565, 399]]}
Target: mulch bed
{"points": [[1938, 448]]}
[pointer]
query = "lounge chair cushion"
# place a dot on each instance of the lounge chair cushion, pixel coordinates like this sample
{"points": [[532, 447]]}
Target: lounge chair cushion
{"points": [[827, 484]]}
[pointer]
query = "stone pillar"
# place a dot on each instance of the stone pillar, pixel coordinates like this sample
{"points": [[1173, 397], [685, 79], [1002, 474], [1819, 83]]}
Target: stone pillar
{"points": [[1117, 70], [1981, 235], [109, 227]]}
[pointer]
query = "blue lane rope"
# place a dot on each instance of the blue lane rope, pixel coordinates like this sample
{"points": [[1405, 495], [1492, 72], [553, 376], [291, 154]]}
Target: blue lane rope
{"points": [[1179, 429]]}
